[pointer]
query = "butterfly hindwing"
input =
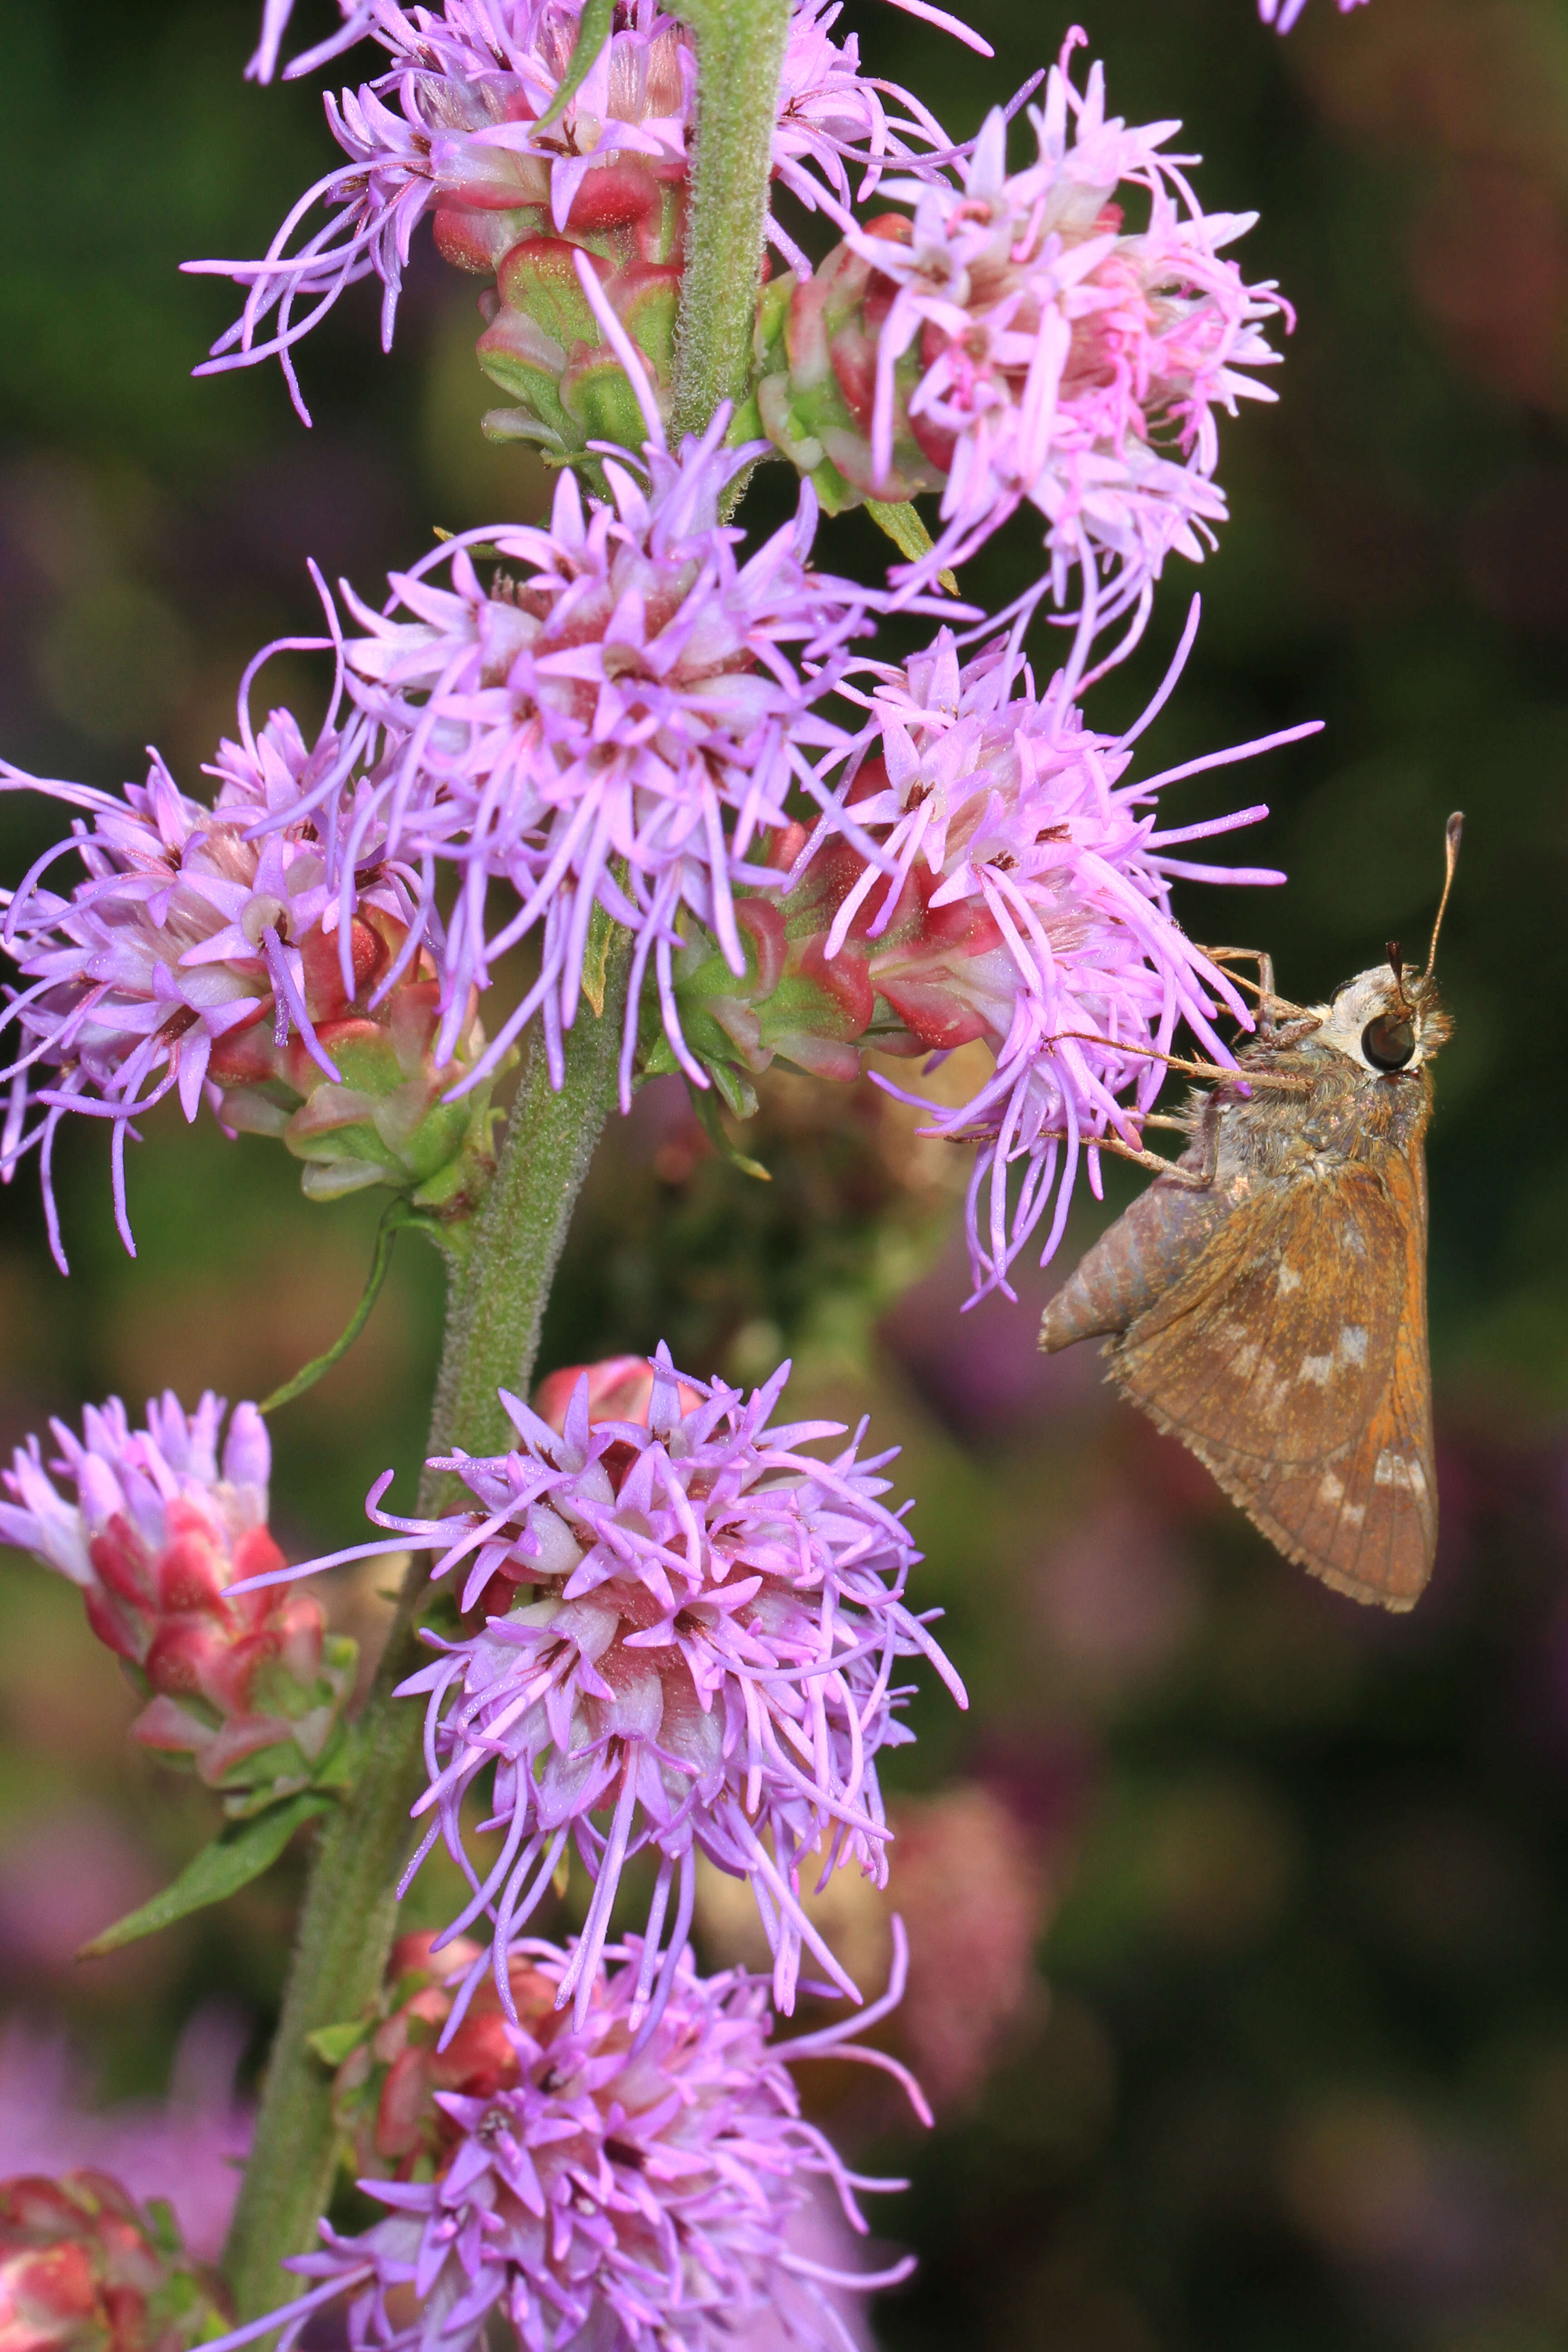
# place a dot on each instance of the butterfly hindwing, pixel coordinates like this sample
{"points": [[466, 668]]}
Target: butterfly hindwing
{"points": [[1292, 1359]]}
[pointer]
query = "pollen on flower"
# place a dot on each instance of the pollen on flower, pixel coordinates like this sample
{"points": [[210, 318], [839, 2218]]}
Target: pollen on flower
{"points": [[600, 2177]]}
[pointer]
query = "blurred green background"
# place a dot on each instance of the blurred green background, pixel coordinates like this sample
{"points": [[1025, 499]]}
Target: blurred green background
{"points": [[1293, 2070]]}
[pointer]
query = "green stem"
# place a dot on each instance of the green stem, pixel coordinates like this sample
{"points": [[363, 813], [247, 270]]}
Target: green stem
{"points": [[740, 61], [495, 1309]]}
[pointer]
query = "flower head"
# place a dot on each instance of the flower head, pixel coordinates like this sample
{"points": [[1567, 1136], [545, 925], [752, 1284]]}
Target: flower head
{"points": [[84, 2269], [989, 870], [225, 951], [614, 2181], [687, 1628], [1018, 341], [479, 124], [156, 1526], [615, 720]]}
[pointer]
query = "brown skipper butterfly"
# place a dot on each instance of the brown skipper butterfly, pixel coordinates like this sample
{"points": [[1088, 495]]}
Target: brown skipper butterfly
{"points": [[1266, 1297]]}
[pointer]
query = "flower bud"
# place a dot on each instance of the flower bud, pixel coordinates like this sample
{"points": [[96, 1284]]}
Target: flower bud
{"points": [[248, 1688]]}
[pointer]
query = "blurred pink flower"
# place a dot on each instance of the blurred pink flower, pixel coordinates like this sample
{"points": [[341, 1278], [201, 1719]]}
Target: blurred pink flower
{"points": [[83, 2269], [1282, 14], [638, 2184], [187, 2149]]}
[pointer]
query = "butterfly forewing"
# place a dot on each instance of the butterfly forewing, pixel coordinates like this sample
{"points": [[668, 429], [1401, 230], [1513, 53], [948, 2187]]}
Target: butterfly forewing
{"points": [[1291, 1361]]}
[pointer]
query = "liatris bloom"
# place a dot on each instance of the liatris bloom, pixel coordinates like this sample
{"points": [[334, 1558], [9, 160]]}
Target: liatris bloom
{"points": [[155, 1528], [1282, 14], [458, 128], [206, 956], [84, 2269], [688, 1624], [624, 2183], [1012, 890], [616, 718], [1017, 341]]}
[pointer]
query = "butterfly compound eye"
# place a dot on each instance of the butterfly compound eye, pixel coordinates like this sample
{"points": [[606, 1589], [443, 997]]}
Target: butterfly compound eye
{"points": [[1389, 1042]]}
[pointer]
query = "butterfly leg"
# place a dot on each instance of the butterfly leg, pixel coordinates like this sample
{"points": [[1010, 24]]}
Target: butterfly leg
{"points": [[1269, 1000], [1195, 1178]]}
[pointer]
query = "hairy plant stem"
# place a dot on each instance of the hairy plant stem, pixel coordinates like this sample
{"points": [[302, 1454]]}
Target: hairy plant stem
{"points": [[740, 61], [495, 1307], [497, 1296]]}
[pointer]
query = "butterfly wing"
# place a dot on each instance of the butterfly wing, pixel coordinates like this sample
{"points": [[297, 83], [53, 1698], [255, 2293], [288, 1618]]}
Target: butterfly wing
{"points": [[1293, 1360]]}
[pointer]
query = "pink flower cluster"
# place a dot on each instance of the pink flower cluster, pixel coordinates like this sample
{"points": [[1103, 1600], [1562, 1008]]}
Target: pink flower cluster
{"points": [[626, 2184], [1038, 348], [458, 128], [687, 1623], [156, 1527], [615, 720], [84, 2269]]}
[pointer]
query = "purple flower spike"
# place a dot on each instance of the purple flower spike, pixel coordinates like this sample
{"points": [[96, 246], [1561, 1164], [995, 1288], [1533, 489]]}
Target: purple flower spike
{"points": [[639, 2187], [618, 718], [700, 1654], [452, 129]]}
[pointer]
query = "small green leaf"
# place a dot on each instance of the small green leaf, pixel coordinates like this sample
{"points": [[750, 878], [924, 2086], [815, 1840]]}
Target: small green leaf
{"points": [[333, 2043], [712, 1126], [236, 1856], [909, 534], [593, 32]]}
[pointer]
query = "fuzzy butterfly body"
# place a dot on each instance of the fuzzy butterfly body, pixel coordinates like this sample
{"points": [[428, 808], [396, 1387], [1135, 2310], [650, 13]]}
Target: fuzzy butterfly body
{"points": [[1265, 1301]]}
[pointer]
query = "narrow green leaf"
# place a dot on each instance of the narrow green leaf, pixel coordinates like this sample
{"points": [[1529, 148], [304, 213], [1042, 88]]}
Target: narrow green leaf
{"points": [[707, 1111], [909, 534], [386, 1233], [333, 2043], [240, 1853], [593, 32]]}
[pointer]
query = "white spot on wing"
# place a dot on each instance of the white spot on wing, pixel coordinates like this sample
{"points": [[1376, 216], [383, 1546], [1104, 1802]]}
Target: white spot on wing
{"points": [[1286, 1280], [1353, 1344], [1317, 1369], [1393, 1470], [1330, 1490]]}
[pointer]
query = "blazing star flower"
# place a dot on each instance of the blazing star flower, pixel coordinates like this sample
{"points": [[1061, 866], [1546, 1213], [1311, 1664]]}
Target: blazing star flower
{"points": [[615, 720], [455, 128], [155, 1528], [984, 872], [223, 952], [689, 1624], [1282, 14], [84, 2269], [626, 2182], [1017, 341]]}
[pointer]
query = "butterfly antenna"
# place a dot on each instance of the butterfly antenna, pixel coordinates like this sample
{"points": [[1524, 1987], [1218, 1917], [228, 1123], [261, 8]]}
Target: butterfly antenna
{"points": [[1396, 965], [1452, 832]]}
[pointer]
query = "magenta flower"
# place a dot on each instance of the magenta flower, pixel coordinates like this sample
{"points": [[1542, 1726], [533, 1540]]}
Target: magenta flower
{"points": [[635, 2186], [704, 1651], [1027, 903], [617, 719], [1282, 14], [156, 1529], [1036, 350], [453, 129]]}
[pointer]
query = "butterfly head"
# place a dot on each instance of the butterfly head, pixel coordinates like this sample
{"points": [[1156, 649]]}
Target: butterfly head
{"points": [[1384, 1020], [1391, 1019]]}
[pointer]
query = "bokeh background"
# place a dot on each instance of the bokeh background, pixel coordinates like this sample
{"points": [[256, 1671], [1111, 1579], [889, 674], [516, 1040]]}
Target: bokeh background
{"points": [[1240, 1917]]}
